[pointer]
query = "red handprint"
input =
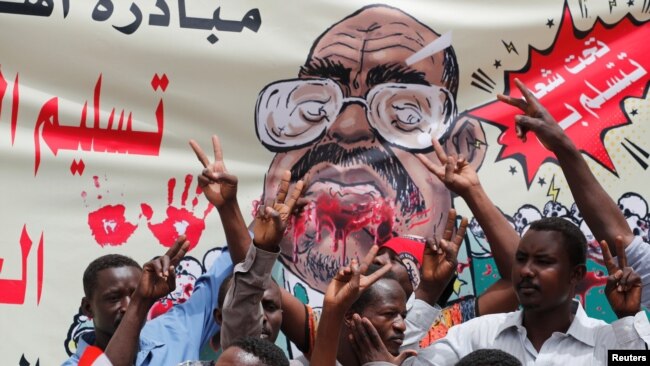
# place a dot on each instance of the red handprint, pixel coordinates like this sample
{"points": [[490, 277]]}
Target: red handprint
{"points": [[108, 224], [179, 221]]}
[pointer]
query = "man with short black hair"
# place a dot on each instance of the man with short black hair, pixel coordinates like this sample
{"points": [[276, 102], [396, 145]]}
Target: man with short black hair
{"points": [[108, 283], [264, 353], [489, 357], [169, 339], [549, 263]]}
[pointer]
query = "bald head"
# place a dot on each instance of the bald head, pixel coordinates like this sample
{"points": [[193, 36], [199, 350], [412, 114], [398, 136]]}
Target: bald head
{"points": [[371, 47]]}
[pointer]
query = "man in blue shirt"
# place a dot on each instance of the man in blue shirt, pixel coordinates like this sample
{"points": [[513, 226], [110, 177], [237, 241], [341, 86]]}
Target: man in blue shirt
{"points": [[169, 339]]}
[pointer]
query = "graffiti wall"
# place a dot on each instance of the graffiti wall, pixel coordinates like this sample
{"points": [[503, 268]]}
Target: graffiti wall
{"points": [[98, 101]]}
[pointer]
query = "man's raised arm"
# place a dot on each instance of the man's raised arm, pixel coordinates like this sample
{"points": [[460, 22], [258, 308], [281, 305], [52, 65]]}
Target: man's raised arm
{"points": [[459, 177], [220, 188], [599, 211], [242, 310], [158, 279]]}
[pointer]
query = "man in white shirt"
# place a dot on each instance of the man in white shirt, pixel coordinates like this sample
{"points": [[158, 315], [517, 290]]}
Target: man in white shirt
{"points": [[552, 328]]}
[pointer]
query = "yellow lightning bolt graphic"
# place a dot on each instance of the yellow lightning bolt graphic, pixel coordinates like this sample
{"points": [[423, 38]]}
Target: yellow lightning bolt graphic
{"points": [[552, 191]]}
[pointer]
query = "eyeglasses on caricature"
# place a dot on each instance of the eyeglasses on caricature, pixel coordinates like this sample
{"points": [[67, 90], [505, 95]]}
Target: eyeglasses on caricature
{"points": [[295, 113]]}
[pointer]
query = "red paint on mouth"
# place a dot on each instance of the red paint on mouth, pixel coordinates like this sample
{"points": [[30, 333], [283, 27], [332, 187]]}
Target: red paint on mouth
{"points": [[298, 225], [342, 215]]}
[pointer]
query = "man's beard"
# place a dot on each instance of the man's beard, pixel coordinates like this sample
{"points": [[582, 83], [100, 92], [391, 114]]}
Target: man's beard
{"points": [[389, 168], [312, 262]]}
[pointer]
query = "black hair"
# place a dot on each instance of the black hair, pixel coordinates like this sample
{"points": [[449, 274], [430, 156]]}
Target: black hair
{"points": [[101, 263], [575, 242], [489, 357], [268, 353]]}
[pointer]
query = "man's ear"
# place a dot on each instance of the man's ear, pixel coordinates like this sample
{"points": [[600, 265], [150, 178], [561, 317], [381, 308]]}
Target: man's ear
{"points": [[86, 309], [347, 319], [467, 138], [218, 316], [578, 273]]}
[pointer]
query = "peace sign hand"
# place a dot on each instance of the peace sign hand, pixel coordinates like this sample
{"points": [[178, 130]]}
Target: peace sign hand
{"points": [[296, 202], [454, 171], [623, 287], [439, 261], [219, 187], [159, 275], [348, 284], [536, 118], [272, 219]]}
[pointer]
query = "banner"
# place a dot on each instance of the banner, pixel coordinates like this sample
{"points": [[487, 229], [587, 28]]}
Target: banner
{"points": [[98, 100]]}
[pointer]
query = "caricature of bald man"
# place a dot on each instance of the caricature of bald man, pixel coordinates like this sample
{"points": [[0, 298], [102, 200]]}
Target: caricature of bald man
{"points": [[352, 122]]}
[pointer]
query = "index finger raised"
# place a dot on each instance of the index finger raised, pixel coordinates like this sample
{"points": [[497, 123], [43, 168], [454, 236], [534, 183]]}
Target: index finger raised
{"points": [[203, 158], [607, 258], [451, 223], [283, 188], [216, 146], [296, 193], [440, 152], [369, 258], [177, 251], [460, 234], [372, 278], [530, 97]]}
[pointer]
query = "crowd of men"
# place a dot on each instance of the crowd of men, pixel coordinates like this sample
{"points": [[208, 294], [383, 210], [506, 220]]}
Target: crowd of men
{"points": [[373, 313]]}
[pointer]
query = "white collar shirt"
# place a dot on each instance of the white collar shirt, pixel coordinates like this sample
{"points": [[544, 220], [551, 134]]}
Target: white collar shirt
{"points": [[585, 343]]}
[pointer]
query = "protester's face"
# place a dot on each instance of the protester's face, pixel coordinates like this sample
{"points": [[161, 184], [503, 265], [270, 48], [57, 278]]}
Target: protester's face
{"points": [[236, 356], [111, 297], [364, 186], [385, 255], [272, 306], [387, 313], [542, 273]]}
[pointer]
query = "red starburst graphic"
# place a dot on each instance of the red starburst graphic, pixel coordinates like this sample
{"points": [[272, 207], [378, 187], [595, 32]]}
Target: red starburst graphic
{"points": [[582, 78]]}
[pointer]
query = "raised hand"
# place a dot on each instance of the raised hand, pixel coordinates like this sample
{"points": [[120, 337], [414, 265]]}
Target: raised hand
{"points": [[343, 290], [295, 204], [159, 275], [455, 172], [272, 219], [439, 260], [348, 284], [535, 118], [219, 187], [368, 344], [623, 288]]}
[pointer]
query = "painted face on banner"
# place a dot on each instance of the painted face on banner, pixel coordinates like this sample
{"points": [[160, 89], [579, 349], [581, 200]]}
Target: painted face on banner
{"points": [[352, 123]]}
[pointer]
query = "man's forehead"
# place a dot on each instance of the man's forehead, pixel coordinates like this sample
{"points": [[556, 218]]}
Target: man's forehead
{"points": [[388, 289], [375, 36], [544, 242], [272, 293]]}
